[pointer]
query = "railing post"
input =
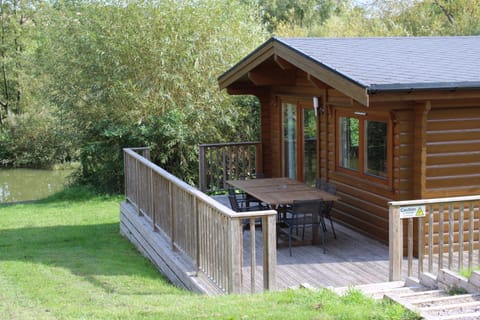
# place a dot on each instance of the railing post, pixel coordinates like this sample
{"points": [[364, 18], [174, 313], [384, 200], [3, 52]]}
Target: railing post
{"points": [[269, 252], [172, 216], [125, 174], [395, 243], [201, 169], [235, 256]]}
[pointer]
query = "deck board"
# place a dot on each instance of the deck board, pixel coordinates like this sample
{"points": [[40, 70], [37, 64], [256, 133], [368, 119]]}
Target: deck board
{"points": [[351, 259]]}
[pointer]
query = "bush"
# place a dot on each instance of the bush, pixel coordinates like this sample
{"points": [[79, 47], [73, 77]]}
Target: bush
{"points": [[34, 141]]}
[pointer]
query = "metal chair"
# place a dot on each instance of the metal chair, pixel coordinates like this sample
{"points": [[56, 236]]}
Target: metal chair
{"points": [[245, 201], [331, 188], [240, 204], [303, 214], [322, 184]]}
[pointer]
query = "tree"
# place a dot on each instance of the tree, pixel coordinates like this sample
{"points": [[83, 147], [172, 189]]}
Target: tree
{"points": [[145, 72], [15, 20], [304, 14], [405, 18]]}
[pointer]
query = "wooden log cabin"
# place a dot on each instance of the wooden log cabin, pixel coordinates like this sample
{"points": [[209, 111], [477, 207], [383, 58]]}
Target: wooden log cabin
{"points": [[385, 119]]}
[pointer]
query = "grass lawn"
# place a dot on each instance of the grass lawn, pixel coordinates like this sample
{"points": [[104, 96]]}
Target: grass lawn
{"points": [[63, 258]]}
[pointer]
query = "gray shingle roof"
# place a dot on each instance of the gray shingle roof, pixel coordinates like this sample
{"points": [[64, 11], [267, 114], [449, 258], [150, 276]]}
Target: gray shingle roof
{"points": [[402, 63]]}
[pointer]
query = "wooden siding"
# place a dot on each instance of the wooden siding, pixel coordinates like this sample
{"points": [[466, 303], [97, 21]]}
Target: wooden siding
{"points": [[403, 138], [453, 144], [270, 136], [436, 146]]}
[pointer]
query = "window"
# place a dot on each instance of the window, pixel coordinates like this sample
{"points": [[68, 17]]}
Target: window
{"points": [[363, 145], [376, 148], [349, 141]]}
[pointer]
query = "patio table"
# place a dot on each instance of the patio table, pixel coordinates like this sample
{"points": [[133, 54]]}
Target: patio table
{"points": [[278, 192]]}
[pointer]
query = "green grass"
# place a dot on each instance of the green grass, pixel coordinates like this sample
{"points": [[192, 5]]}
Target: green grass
{"points": [[467, 272], [63, 258]]}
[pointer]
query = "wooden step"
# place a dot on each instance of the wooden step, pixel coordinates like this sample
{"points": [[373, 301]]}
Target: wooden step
{"points": [[421, 295], [462, 316], [400, 292], [445, 300], [373, 289], [453, 309], [439, 304]]}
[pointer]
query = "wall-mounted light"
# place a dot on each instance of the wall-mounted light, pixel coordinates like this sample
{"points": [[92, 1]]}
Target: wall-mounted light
{"points": [[316, 106]]}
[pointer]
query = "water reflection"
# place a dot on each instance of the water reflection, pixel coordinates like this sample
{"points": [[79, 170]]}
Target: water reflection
{"points": [[30, 184]]}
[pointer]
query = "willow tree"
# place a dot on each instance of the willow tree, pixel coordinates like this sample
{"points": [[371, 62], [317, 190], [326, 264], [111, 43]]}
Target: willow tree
{"points": [[144, 73]]}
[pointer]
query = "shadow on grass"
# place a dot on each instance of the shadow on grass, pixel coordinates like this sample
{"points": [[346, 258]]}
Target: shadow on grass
{"points": [[87, 251], [75, 193]]}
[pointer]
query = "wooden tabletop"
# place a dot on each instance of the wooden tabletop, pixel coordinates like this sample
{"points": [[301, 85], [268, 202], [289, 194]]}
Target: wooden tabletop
{"points": [[280, 191]]}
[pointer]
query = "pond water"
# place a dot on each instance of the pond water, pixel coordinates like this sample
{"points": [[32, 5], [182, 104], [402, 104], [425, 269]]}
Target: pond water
{"points": [[30, 184]]}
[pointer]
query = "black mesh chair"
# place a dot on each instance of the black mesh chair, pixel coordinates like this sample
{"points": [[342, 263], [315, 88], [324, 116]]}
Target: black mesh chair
{"points": [[245, 201], [322, 184], [238, 203], [303, 214]]}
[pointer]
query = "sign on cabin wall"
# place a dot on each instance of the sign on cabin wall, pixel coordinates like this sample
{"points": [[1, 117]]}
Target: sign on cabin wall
{"points": [[412, 212]]}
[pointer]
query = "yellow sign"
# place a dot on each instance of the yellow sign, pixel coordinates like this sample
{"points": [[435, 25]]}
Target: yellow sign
{"points": [[412, 212]]}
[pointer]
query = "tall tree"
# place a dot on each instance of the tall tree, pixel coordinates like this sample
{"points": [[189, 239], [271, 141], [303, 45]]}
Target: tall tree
{"points": [[304, 14], [145, 72], [13, 18]]}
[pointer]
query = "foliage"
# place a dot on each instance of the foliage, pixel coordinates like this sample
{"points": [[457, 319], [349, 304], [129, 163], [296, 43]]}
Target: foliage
{"points": [[145, 72], [404, 18], [33, 140], [80, 80], [285, 14], [101, 156], [63, 258]]}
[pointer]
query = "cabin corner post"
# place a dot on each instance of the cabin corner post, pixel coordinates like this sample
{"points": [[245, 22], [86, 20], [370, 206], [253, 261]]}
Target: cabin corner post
{"points": [[258, 158], [420, 149], [395, 246]]}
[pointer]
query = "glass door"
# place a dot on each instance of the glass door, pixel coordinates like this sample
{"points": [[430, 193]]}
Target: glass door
{"points": [[299, 136], [289, 111], [310, 159]]}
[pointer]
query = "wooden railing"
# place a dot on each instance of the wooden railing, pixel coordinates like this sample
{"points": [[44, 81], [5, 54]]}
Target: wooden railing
{"points": [[447, 236], [207, 232], [220, 162]]}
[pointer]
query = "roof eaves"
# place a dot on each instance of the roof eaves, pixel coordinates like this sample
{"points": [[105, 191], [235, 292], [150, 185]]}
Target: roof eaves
{"points": [[410, 87]]}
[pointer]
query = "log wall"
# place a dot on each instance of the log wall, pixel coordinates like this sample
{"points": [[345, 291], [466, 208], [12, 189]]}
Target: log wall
{"points": [[436, 150]]}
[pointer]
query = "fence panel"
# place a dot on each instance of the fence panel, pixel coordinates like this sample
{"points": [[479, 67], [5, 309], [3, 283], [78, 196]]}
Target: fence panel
{"points": [[445, 238], [220, 162], [208, 233]]}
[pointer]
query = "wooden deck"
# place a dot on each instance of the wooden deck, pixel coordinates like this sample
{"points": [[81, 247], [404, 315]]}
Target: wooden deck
{"points": [[351, 259]]}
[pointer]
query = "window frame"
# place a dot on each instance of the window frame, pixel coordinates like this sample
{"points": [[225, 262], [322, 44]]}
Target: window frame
{"points": [[362, 172], [300, 103]]}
